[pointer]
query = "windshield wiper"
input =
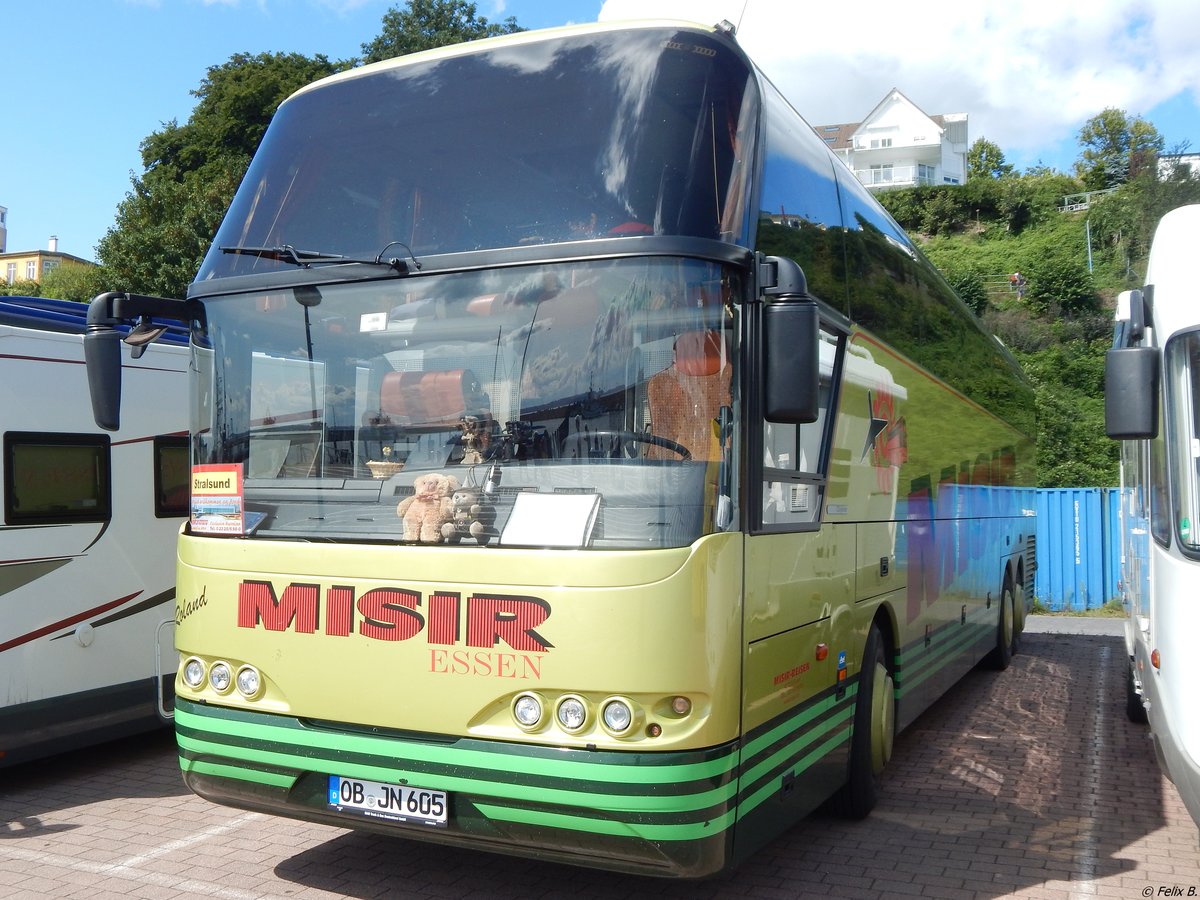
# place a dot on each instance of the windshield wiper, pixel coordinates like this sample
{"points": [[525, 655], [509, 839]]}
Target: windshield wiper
{"points": [[305, 258]]}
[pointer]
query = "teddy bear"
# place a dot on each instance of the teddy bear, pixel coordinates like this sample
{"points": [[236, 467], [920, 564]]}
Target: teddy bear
{"points": [[473, 514], [429, 507]]}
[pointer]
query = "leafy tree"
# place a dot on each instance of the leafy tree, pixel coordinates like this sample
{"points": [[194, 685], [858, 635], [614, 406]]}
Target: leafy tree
{"points": [[1040, 169], [1116, 148], [426, 24], [20, 289], [986, 160], [166, 222], [80, 283]]}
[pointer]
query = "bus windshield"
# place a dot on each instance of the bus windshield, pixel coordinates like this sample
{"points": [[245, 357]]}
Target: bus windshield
{"points": [[603, 390], [602, 135]]}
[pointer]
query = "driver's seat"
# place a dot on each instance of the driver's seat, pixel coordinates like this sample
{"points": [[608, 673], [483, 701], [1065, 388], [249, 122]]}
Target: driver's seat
{"points": [[685, 398]]}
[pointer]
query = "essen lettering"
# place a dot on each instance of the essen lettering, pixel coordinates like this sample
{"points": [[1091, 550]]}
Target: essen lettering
{"points": [[493, 664], [395, 614]]}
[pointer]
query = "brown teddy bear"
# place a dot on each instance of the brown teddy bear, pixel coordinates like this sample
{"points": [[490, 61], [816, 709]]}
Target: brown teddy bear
{"points": [[429, 507], [473, 515]]}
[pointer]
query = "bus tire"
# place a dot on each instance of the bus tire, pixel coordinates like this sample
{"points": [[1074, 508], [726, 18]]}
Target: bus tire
{"points": [[874, 732], [1135, 710], [1006, 630], [1019, 613]]}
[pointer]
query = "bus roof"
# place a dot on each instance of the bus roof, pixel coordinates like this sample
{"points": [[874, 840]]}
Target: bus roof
{"points": [[505, 40]]}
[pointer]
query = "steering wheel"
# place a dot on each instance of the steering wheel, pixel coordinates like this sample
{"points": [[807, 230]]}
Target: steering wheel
{"points": [[579, 440]]}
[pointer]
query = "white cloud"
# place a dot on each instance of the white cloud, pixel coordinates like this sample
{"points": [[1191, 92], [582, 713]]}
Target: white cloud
{"points": [[1028, 72]]}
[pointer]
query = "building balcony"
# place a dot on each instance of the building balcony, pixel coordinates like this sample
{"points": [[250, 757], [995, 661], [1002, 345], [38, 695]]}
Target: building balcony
{"points": [[897, 176]]}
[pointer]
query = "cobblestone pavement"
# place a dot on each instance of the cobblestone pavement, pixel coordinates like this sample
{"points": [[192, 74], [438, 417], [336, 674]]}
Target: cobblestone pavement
{"points": [[1026, 783]]}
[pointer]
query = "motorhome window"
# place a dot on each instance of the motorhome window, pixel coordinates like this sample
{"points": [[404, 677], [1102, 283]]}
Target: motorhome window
{"points": [[1183, 436], [172, 476], [56, 478]]}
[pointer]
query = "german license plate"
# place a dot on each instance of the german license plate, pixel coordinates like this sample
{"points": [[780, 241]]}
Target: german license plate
{"points": [[393, 802]]}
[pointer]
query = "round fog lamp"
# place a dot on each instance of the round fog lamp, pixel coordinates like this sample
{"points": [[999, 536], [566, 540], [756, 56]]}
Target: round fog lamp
{"points": [[617, 716], [247, 681], [572, 714], [220, 677], [527, 710], [193, 673]]}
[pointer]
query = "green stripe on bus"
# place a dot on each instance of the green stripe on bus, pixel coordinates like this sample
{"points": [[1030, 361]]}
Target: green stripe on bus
{"points": [[562, 796], [752, 801], [946, 647], [835, 725], [219, 770], [508, 757], [646, 831], [798, 720]]}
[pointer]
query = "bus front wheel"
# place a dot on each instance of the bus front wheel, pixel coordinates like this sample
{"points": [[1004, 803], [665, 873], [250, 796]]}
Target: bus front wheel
{"points": [[874, 731]]}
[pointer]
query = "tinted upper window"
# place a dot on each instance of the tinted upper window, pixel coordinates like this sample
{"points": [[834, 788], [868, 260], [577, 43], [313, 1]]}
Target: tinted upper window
{"points": [[563, 138]]}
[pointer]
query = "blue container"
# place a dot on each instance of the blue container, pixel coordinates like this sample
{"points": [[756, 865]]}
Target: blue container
{"points": [[1078, 548]]}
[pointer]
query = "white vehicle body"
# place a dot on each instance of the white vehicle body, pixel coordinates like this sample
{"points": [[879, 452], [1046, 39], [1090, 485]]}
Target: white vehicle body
{"points": [[1154, 373], [88, 524]]}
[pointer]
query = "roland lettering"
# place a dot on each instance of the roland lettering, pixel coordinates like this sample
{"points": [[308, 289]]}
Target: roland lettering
{"points": [[489, 621]]}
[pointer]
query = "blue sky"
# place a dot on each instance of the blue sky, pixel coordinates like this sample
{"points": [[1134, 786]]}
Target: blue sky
{"points": [[90, 79]]}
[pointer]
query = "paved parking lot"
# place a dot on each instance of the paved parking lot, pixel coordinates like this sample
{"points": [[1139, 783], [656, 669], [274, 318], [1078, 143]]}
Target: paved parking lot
{"points": [[1027, 783]]}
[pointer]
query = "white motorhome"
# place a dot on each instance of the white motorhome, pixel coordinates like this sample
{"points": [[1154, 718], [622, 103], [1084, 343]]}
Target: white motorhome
{"points": [[88, 524], [1152, 404]]}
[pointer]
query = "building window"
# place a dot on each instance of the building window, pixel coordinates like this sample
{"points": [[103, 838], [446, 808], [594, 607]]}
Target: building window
{"points": [[831, 140], [31, 270], [833, 128], [11, 275], [881, 174], [49, 266], [925, 174], [880, 143]]}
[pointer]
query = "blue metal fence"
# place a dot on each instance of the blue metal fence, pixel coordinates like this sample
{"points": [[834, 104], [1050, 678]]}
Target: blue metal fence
{"points": [[1078, 548]]}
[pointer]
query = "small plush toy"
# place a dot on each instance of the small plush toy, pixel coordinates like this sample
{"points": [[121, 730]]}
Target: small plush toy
{"points": [[474, 440], [429, 508], [473, 514]]}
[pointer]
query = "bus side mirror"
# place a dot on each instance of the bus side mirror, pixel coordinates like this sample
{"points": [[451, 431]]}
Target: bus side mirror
{"points": [[791, 345], [1131, 393], [102, 355], [102, 343]]}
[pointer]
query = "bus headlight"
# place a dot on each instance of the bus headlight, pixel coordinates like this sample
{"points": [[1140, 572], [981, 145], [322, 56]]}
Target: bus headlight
{"points": [[617, 716], [572, 714], [527, 710], [220, 678], [248, 682], [193, 673]]}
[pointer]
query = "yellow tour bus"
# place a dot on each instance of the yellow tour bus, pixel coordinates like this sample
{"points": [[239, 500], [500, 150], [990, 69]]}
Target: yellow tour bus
{"points": [[585, 466]]}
